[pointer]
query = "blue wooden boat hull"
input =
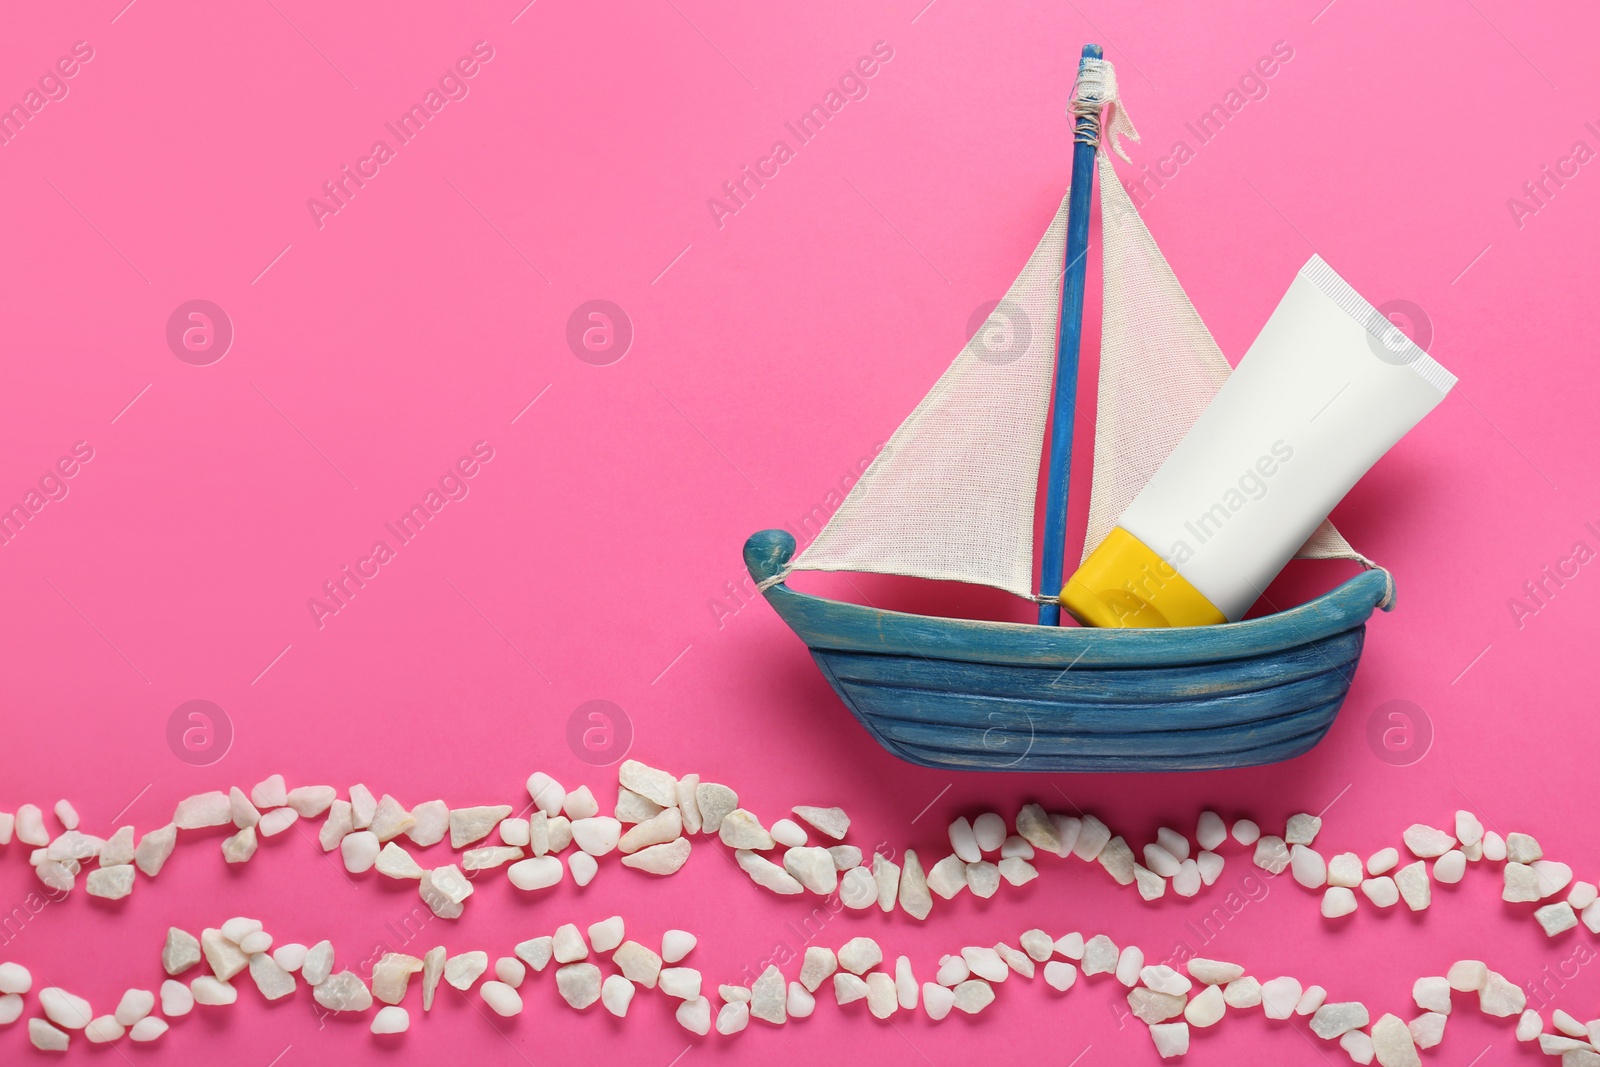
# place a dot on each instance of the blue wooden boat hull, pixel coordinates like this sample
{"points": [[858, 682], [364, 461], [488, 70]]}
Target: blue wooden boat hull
{"points": [[997, 696]]}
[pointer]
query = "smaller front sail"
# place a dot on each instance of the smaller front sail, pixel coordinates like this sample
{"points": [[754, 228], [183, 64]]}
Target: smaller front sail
{"points": [[951, 496]]}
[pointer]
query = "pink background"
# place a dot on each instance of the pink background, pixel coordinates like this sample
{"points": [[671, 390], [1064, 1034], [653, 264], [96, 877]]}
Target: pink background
{"points": [[770, 353]]}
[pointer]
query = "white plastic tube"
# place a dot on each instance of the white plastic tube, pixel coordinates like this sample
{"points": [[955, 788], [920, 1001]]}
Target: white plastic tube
{"points": [[1328, 387]]}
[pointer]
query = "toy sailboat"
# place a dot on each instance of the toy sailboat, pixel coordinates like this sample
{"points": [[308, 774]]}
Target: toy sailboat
{"points": [[953, 495]]}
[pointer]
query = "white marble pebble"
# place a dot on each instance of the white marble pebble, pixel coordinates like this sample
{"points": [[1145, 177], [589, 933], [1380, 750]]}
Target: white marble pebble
{"points": [[1307, 866], [1522, 848], [989, 831], [11, 1005], [1357, 1044], [1345, 869], [861, 954], [787, 832], [1279, 997], [1130, 961], [1160, 860], [1591, 917], [1432, 994], [1554, 876], [694, 1015], [30, 829], [937, 1000], [176, 999], [831, 821], [1412, 882], [848, 988], [47, 1038], [1381, 891], [147, 1029], [817, 966], [547, 794], [1494, 846], [1392, 1043], [1563, 1021], [1163, 979], [65, 1009], [359, 851], [616, 993], [579, 984], [212, 991], [1310, 1000], [986, 963], [1242, 993], [1529, 1025], [1521, 882], [973, 995], [1210, 830], [1383, 861], [1337, 902], [682, 983], [798, 1002], [1151, 885], [1450, 868], [391, 1019], [858, 890], [964, 842], [1171, 1039], [1271, 854], [1173, 842], [103, 1029], [1333, 1020], [579, 804], [1210, 866], [536, 872], [882, 998], [606, 934], [1206, 1007], [1467, 976], [1500, 997], [1427, 1029], [1099, 955], [1071, 945], [290, 956], [1302, 829], [583, 867], [676, 944], [1469, 831], [1556, 918], [568, 944], [501, 998], [134, 1005], [1246, 832], [1060, 975], [905, 983], [511, 971], [1581, 895], [953, 970], [15, 978], [1016, 847], [1186, 883], [1427, 842], [1213, 972]]}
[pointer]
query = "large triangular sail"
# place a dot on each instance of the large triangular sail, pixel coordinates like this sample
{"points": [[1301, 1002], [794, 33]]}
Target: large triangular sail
{"points": [[951, 496], [1159, 369]]}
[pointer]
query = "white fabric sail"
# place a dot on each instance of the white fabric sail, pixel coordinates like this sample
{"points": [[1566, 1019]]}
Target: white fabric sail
{"points": [[1159, 369], [951, 496]]}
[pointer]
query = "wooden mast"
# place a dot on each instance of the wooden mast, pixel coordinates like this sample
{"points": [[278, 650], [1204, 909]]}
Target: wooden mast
{"points": [[1085, 137]]}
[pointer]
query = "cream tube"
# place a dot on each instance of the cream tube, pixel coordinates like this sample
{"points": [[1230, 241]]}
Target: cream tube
{"points": [[1328, 387]]}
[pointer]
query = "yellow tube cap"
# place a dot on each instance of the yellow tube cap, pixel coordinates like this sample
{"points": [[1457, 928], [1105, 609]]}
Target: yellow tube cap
{"points": [[1124, 583]]}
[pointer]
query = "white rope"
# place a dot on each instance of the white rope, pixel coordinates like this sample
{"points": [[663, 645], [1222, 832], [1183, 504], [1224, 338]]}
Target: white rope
{"points": [[1096, 89]]}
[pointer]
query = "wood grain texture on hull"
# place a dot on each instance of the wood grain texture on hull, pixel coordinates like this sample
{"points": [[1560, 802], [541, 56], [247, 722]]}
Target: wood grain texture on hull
{"points": [[964, 694]]}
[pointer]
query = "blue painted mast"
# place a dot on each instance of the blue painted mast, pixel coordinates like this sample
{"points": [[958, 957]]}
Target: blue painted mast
{"points": [[1085, 137]]}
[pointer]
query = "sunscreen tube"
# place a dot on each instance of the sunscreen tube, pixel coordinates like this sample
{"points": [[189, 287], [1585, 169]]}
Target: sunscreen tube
{"points": [[1328, 387]]}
